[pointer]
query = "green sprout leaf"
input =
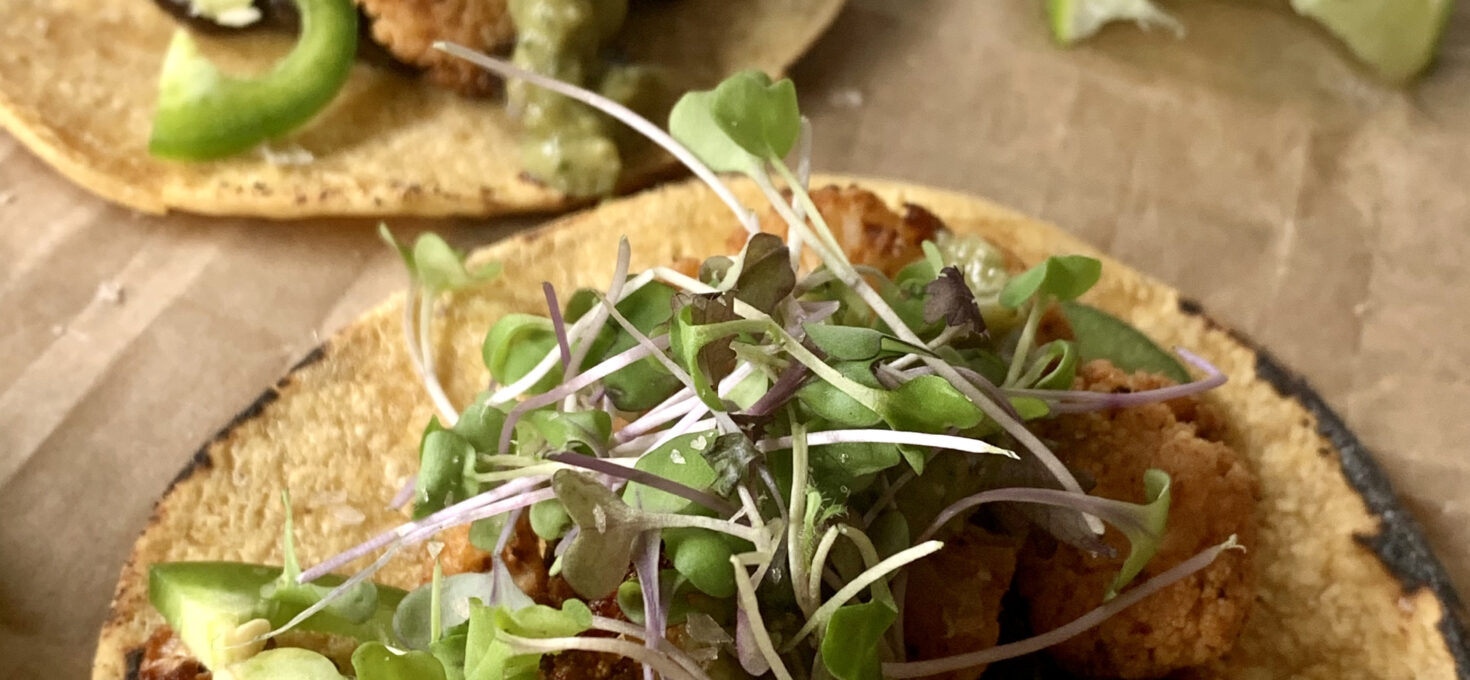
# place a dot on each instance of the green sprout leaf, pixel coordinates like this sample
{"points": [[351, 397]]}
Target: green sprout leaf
{"points": [[703, 557], [1146, 531], [856, 343], [553, 431], [760, 116], [1054, 367], [1059, 277], [413, 620], [693, 124], [550, 520], [850, 646], [288, 662], [480, 425], [681, 459], [357, 605], [515, 344], [488, 657], [644, 384], [699, 339], [446, 472], [375, 661], [435, 265], [1103, 336]]}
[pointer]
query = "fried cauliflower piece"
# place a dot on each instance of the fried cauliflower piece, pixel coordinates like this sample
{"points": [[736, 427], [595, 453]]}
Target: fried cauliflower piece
{"points": [[1213, 496], [953, 598], [868, 230], [408, 29]]}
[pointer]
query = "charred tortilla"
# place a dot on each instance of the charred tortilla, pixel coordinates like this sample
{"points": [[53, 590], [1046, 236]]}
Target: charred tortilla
{"points": [[78, 80], [1346, 587]]}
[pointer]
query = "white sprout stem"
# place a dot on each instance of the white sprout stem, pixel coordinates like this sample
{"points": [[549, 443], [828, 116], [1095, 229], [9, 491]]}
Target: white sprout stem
{"points": [[857, 585], [418, 346], [552, 357], [826, 247], [664, 520], [395, 534], [508, 70], [678, 404], [795, 549], [920, 669], [1028, 336], [431, 369], [798, 191], [746, 601], [692, 421], [848, 275], [661, 662], [748, 507], [868, 552], [332, 594], [1119, 513], [599, 316], [721, 418], [943, 441], [630, 630], [525, 500], [612, 365], [819, 563]]}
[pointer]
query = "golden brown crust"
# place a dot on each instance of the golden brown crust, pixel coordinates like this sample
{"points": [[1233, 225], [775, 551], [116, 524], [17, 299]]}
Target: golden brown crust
{"points": [[1214, 496], [954, 598], [1325, 607], [408, 29]]}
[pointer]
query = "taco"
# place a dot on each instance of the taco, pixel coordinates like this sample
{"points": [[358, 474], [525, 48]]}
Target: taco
{"points": [[428, 136], [1335, 581]]}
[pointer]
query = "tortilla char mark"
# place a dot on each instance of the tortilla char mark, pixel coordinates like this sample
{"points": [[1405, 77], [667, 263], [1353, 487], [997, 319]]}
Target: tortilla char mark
{"points": [[201, 460], [1399, 543]]}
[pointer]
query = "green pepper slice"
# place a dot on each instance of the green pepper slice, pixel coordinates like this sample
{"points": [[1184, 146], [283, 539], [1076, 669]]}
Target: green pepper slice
{"points": [[200, 600], [204, 114]]}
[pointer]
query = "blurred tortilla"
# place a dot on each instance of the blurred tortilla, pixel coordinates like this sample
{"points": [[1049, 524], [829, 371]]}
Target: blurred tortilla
{"points": [[78, 80], [1348, 587]]}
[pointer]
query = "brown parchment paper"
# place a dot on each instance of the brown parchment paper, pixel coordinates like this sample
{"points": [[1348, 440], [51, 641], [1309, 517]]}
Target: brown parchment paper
{"points": [[1249, 164]]}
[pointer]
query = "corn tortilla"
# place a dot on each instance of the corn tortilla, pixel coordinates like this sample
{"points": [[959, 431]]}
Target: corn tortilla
{"points": [[1347, 588], [78, 80]]}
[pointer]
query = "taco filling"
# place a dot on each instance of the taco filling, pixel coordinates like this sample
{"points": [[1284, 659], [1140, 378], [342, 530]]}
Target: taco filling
{"points": [[202, 115], [856, 447]]}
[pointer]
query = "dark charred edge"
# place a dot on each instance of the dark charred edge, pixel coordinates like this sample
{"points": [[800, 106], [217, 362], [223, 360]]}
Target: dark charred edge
{"points": [[134, 664], [1400, 543], [201, 460]]}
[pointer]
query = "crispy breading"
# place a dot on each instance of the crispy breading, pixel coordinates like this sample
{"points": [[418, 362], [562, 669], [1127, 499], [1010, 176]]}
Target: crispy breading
{"points": [[1191, 622], [408, 29], [165, 658], [952, 599], [867, 229]]}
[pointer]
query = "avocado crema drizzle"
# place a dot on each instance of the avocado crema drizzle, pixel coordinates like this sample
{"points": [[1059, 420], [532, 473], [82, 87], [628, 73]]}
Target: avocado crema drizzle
{"points": [[755, 492]]}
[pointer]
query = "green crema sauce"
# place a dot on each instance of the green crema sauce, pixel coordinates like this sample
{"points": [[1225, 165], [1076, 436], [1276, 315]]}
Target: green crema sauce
{"points": [[566, 144]]}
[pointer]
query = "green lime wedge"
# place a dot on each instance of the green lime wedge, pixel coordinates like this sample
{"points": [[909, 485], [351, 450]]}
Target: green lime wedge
{"points": [[1396, 37], [1073, 20]]}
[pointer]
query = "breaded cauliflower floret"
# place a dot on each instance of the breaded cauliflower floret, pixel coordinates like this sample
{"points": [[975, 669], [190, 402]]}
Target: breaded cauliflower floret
{"points": [[1213, 496], [952, 600], [408, 29], [868, 230]]}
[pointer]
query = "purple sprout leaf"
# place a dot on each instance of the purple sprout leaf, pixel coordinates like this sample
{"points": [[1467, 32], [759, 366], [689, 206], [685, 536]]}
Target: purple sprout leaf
{"points": [[766, 277], [950, 298]]}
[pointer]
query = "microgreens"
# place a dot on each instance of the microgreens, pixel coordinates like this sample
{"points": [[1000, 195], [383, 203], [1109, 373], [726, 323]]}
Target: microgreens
{"points": [[769, 413]]}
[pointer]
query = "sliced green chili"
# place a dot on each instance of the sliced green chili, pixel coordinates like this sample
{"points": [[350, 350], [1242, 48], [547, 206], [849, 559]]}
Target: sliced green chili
{"points": [[205, 114]]}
